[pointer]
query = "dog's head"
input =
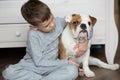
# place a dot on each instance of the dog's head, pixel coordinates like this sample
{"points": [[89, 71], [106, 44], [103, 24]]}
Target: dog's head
{"points": [[81, 26]]}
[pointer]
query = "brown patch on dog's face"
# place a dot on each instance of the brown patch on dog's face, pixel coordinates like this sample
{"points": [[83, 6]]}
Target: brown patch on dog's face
{"points": [[76, 20]]}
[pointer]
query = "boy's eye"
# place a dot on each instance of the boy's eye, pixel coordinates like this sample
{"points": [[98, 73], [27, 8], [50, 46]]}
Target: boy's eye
{"points": [[75, 23], [89, 23]]}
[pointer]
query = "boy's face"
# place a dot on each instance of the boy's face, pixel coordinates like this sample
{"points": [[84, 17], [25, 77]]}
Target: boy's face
{"points": [[46, 26]]}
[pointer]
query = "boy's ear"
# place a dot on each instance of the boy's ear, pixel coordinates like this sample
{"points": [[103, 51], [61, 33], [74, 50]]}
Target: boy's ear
{"points": [[33, 27], [68, 18]]}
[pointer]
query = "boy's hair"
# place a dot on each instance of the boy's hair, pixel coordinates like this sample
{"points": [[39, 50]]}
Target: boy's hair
{"points": [[35, 12]]}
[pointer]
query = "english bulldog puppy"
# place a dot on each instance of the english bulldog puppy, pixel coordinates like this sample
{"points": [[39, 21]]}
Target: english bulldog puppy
{"points": [[80, 28]]}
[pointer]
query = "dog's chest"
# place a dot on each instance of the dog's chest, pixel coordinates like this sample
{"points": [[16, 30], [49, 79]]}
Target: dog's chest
{"points": [[68, 41]]}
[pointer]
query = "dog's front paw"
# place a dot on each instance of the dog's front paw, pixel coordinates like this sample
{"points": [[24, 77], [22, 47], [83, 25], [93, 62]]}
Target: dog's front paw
{"points": [[114, 66], [89, 74]]}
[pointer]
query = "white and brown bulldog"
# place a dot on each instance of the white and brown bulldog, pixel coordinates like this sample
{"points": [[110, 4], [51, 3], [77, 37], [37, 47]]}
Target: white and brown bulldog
{"points": [[78, 29]]}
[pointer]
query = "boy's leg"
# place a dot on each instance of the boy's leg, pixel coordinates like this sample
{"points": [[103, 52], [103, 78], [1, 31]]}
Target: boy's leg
{"points": [[16, 72], [65, 72]]}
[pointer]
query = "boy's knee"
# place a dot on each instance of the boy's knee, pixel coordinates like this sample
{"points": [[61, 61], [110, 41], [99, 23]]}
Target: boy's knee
{"points": [[72, 71]]}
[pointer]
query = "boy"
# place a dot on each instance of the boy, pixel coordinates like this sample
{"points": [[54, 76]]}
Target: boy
{"points": [[42, 48]]}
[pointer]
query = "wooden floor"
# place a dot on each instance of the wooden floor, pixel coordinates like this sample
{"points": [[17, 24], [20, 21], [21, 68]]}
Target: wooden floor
{"points": [[13, 55]]}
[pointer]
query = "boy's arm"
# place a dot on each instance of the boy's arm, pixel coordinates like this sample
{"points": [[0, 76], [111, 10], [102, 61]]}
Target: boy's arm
{"points": [[37, 55], [61, 22]]}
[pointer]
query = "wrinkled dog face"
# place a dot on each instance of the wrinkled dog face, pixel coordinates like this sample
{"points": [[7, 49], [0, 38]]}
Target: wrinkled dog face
{"points": [[81, 26]]}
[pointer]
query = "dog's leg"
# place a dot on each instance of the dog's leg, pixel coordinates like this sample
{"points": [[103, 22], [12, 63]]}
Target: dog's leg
{"points": [[99, 63], [87, 71]]}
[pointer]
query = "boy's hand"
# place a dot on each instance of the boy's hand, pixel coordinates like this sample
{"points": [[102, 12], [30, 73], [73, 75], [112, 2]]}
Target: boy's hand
{"points": [[81, 48]]}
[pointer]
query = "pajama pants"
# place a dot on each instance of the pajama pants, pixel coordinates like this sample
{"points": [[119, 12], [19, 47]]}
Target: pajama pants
{"points": [[17, 72]]}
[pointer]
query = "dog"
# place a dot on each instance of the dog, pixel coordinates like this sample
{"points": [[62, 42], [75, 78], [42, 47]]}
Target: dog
{"points": [[80, 28]]}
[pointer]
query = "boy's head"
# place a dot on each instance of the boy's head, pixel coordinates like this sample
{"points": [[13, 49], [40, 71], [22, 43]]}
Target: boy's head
{"points": [[35, 12]]}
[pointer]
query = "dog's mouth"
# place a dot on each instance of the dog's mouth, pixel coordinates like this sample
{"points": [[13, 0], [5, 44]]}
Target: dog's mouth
{"points": [[82, 36]]}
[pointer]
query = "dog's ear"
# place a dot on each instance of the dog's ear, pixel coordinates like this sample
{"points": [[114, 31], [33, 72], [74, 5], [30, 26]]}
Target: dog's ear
{"points": [[68, 18], [93, 19]]}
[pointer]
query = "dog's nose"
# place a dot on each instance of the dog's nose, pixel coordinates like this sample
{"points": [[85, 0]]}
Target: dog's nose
{"points": [[83, 26]]}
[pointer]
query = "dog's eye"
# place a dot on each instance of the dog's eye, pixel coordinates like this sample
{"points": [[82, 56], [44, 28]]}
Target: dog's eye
{"points": [[75, 23], [89, 23]]}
